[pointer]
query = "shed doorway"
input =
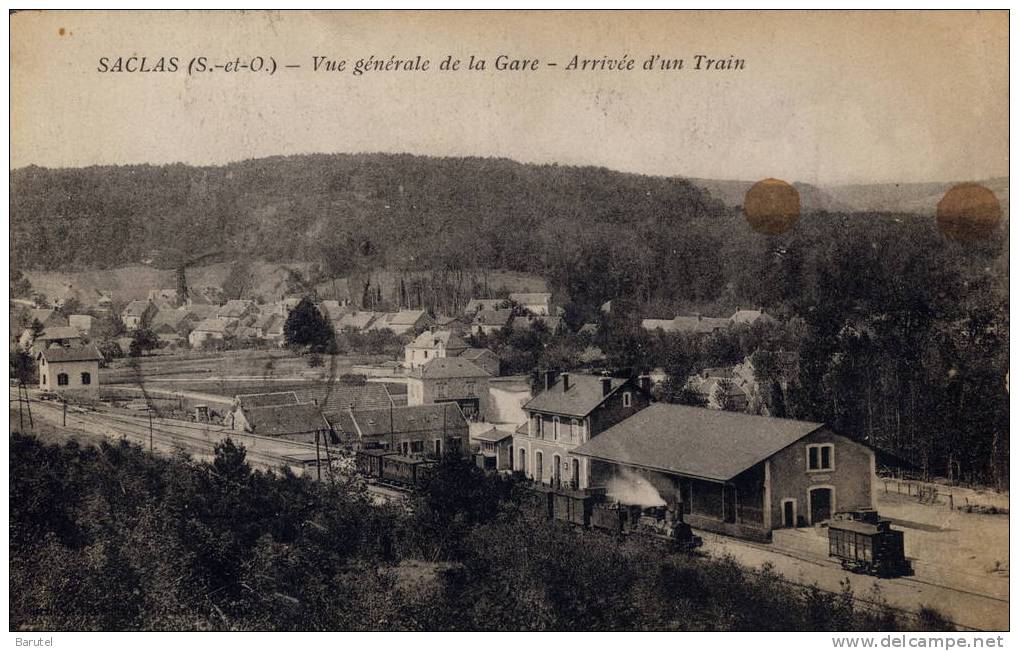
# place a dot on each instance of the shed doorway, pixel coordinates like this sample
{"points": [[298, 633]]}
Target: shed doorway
{"points": [[789, 513], [821, 504]]}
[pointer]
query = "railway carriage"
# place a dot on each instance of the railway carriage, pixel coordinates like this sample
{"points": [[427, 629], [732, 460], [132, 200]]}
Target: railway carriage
{"points": [[866, 544]]}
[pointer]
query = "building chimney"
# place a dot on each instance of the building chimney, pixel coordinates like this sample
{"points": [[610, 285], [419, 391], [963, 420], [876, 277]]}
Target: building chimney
{"points": [[549, 379], [606, 386], [566, 382]]}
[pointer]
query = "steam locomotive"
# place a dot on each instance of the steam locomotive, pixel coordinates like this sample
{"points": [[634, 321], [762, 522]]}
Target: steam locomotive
{"points": [[660, 525]]}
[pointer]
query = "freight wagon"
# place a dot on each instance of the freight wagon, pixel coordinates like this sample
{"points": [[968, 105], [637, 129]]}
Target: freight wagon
{"points": [[866, 544], [393, 469]]}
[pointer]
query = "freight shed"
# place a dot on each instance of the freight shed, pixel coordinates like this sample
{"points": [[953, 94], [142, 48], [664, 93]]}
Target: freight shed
{"points": [[733, 473]]}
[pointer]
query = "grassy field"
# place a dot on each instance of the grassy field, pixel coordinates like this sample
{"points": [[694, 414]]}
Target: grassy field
{"points": [[230, 372]]}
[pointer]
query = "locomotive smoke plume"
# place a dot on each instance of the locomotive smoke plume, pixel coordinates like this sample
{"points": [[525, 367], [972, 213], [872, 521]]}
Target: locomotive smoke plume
{"points": [[630, 488]]}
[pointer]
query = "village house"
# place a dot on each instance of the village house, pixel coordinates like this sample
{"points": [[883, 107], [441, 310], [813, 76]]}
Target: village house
{"points": [[483, 358], [211, 329], [720, 389], [239, 311], [572, 410], [698, 324], [138, 313], [490, 322], [695, 324], [734, 473], [404, 322], [285, 419], [493, 449], [337, 397], [70, 371], [750, 317], [454, 323], [173, 325], [269, 326], [450, 379], [64, 337], [536, 303], [430, 345], [332, 310], [417, 430], [357, 321]]}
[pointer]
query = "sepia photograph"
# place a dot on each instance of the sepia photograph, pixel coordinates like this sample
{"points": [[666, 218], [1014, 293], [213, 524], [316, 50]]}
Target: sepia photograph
{"points": [[503, 321]]}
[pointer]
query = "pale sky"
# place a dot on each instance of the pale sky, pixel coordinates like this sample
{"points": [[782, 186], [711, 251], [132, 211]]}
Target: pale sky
{"points": [[824, 97]]}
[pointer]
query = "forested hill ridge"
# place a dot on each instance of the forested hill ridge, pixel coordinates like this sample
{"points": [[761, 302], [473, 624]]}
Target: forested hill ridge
{"points": [[398, 210], [386, 205]]}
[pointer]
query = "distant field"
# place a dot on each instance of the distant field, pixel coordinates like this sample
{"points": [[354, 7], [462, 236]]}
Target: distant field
{"points": [[223, 372]]}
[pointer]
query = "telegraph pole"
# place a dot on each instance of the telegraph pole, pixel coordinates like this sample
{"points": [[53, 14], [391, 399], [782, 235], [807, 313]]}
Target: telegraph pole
{"points": [[150, 430], [318, 456], [65, 412]]}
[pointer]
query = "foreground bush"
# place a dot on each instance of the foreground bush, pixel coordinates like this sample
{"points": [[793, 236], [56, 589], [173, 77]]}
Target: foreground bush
{"points": [[112, 538]]}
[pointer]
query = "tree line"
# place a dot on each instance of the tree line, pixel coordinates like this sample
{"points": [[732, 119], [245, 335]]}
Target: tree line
{"points": [[111, 538]]}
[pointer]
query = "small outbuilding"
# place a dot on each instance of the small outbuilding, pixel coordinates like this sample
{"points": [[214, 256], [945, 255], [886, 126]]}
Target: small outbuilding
{"points": [[70, 371]]}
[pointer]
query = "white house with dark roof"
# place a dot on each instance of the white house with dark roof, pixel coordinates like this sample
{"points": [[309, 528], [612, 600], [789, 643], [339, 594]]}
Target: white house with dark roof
{"points": [[574, 408], [211, 329], [432, 344], [70, 371], [491, 321], [734, 473], [537, 303], [137, 313], [450, 379]]}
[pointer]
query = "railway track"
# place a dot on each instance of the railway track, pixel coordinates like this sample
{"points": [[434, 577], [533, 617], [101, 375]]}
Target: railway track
{"points": [[195, 439], [825, 562]]}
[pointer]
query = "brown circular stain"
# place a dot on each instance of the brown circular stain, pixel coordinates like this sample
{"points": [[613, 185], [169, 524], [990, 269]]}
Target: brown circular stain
{"points": [[60, 31], [968, 212], [772, 206]]}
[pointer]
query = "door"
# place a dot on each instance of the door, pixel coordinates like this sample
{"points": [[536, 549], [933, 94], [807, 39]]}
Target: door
{"points": [[729, 503], [557, 479], [788, 514], [820, 505]]}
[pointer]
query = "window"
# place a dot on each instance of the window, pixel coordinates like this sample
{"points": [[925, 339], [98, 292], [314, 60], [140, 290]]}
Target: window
{"points": [[440, 389], [438, 447], [417, 447], [627, 399], [555, 428], [471, 388], [86, 378], [404, 448], [821, 457], [44, 380], [454, 444], [426, 354], [574, 429], [537, 466], [62, 379]]}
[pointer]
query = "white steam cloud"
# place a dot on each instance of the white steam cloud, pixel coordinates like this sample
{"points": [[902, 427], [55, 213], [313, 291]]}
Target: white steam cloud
{"points": [[630, 488]]}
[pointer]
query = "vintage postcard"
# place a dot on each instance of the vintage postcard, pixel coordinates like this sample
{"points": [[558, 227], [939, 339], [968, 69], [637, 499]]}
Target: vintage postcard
{"points": [[510, 321]]}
